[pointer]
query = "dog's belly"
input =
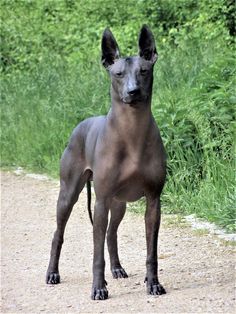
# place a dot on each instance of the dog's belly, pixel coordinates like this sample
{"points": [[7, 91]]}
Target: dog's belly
{"points": [[129, 191]]}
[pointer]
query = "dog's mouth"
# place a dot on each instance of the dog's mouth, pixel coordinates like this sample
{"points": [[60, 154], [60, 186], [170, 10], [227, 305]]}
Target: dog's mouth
{"points": [[132, 100]]}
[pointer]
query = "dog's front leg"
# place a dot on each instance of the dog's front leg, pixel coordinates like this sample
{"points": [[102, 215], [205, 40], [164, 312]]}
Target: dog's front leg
{"points": [[152, 223], [99, 290]]}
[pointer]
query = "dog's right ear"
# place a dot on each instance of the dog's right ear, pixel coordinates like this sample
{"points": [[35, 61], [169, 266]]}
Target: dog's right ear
{"points": [[110, 49]]}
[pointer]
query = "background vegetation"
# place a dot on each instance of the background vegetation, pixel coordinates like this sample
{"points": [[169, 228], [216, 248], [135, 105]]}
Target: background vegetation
{"points": [[51, 79]]}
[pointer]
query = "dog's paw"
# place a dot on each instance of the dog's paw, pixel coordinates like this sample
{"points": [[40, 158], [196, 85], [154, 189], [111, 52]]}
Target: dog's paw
{"points": [[99, 294], [119, 272], [154, 288], [53, 278]]}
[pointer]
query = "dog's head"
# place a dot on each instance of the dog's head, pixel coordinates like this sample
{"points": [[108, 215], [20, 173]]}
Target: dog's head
{"points": [[131, 77]]}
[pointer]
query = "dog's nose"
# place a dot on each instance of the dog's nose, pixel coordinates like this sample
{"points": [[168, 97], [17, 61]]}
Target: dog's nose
{"points": [[134, 91]]}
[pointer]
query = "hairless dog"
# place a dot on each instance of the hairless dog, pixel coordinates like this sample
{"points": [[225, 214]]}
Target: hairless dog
{"points": [[123, 154]]}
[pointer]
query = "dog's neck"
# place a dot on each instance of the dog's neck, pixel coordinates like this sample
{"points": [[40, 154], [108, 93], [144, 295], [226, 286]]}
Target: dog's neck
{"points": [[129, 123]]}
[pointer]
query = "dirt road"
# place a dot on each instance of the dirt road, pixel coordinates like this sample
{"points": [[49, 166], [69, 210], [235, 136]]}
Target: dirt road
{"points": [[197, 270]]}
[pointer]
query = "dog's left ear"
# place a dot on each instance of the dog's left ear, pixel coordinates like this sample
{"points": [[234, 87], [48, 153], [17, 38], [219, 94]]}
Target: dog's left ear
{"points": [[147, 47]]}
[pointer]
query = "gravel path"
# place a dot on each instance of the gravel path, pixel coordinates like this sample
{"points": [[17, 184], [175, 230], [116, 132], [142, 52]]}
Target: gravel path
{"points": [[196, 269]]}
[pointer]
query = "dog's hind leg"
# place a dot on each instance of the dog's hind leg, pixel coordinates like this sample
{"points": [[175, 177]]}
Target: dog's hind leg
{"points": [[117, 213], [72, 182]]}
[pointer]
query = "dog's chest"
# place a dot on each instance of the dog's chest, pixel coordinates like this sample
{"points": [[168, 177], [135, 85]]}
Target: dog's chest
{"points": [[134, 177]]}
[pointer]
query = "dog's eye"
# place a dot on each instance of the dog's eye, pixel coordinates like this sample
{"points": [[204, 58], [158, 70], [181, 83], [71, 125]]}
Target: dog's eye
{"points": [[119, 74], [143, 71]]}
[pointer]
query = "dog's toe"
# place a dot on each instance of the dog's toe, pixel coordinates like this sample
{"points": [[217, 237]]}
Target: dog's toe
{"points": [[99, 294], [155, 288], [53, 278], [119, 272]]}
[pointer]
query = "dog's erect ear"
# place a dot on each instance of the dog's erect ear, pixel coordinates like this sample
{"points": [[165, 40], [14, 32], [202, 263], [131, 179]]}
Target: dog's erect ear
{"points": [[110, 49], [147, 47]]}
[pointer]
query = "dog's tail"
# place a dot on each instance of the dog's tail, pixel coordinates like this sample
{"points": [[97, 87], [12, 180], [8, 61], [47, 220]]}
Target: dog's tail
{"points": [[89, 201]]}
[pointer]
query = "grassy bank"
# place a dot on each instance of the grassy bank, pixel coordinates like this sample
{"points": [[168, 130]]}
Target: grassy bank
{"points": [[52, 79], [192, 103]]}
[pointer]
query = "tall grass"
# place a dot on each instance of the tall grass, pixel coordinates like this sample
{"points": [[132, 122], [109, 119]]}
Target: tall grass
{"points": [[41, 108], [193, 105]]}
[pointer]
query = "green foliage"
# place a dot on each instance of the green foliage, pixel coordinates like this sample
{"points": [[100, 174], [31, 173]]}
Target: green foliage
{"points": [[70, 30], [196, 116], [42, 108], [52, 79]]}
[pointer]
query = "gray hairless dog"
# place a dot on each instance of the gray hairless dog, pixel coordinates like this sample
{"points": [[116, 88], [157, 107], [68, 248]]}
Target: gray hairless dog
{"points": [[124, 156]]}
